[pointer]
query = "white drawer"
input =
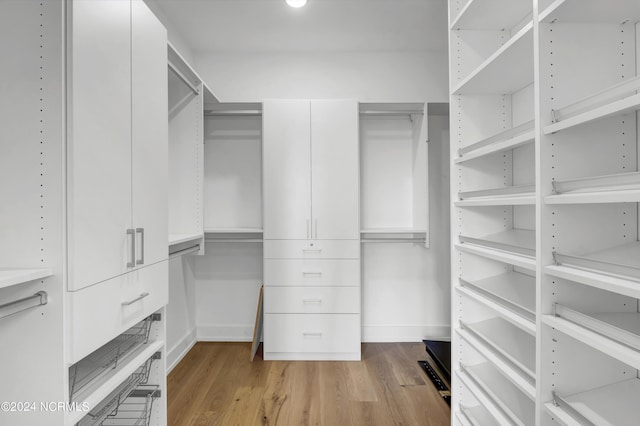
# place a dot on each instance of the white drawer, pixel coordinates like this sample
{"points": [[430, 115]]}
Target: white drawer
{"points": [[324, 336], [311, 249], [283, 272], [312, 300], [101, 312]]}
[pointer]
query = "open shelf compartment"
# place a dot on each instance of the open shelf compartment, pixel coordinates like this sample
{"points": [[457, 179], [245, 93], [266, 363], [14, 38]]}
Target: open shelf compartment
{"points": [[483, 398], [106, 359], [123, 405], [481, 14], [591, 11], [477, 415], [233, 235], [508, 70], [623, 327], [616, 100], [618, 262], [514, 290], [508, 195], [503, 141], [516, 241], [509, 341], [614, 404], [517, 406], [623, 187]]}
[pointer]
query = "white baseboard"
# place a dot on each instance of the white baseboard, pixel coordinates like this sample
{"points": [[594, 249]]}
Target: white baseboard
{"points": [[404, 333], [225, 333], [179, 350]]}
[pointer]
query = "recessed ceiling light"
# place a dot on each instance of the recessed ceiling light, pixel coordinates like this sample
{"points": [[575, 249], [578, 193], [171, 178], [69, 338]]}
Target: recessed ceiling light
{"points": [[296, 3]]}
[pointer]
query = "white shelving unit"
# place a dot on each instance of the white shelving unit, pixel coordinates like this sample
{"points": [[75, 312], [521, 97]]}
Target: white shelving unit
{"points": [[545, 193], [11, 277]]}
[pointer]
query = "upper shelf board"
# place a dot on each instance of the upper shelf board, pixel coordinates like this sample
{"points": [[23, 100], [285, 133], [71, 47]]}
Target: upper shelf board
{"points": [[481, 14], [9, 277], [592, 11]]}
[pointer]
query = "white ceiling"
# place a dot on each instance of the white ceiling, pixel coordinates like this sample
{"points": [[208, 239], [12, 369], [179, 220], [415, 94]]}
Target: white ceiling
{"points": [[322, 25]]}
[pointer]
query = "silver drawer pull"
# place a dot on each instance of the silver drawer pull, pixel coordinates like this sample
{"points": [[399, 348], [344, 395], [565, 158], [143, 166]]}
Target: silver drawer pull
{"points": [[131, 302], [311, 301], [311, 334], [312, 274], [312, 251]]}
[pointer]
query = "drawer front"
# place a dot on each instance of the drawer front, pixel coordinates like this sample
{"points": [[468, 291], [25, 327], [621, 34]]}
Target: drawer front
{"points": [[282, 272], [101, 312], [312, 300], [312, 333], [312, 249]]}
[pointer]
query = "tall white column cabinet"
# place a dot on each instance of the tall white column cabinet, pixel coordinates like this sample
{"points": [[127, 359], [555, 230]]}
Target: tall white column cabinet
{"points": [[85, 238], [311, 229], [545, 193]]}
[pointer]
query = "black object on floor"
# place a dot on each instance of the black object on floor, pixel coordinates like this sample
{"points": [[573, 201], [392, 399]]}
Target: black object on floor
{"points": [[440, 353]]}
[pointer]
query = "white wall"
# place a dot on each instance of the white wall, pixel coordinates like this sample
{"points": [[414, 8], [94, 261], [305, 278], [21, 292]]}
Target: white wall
{"points": [[366, 76], [175, 38]]}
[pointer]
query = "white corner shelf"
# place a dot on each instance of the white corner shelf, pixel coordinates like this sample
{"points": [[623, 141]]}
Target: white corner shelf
{"points": [[175, 239], [591, 11], [515, 345], [505, 196], [96, 393], [233, 230], [508, 139], [519, 408], [613, 404], [508, 70], [514, 375], [481, 14], [496, 415], [393, 231], [617, 100], [233, 235], [477, 416], [621, 262], [15, 276], [512, 288], [595, 340], [618, 188]]}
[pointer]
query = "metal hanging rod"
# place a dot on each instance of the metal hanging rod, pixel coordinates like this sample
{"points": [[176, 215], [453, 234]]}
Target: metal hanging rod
{"points": [[184, 251], [41, 297], [184, 79]]}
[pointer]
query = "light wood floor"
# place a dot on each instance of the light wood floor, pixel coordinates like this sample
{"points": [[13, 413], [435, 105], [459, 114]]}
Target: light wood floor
{"points": [[215, 384]]}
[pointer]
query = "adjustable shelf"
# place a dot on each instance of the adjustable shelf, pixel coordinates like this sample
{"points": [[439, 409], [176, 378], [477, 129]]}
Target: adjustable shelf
{"points": [[497, 416], [613, 101], [502, 364], [175, 239], [123, 406], [233, 235], [508, 70], [393, 235], [613, 404], [9, 277], [515, 247], [518, 407], [595, 340], [503, 141], [618, 188], [505, 196], [481, 14], [107, 358], [609, 269], [594, 11], [477, 416], [508, 341], [512, 295], [121, 381]]}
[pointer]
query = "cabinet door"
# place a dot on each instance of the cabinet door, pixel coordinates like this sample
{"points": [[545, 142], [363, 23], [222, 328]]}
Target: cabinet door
{"points": [[149, 134], [99, 140], [286, 169], [335, 169]]}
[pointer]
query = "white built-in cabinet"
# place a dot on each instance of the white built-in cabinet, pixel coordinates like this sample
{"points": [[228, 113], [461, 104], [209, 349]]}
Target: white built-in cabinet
{"points": [[311, 229], [545, 193], [117, 154], [85, 238]]}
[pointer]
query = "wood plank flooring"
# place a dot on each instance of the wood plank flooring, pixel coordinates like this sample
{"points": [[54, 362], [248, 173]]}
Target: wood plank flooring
{"points": [[216, 384]]}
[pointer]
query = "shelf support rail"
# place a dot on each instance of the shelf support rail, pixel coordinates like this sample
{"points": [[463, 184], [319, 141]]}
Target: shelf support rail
{"points": [[558, 401], [40, 298], [184, 79]]}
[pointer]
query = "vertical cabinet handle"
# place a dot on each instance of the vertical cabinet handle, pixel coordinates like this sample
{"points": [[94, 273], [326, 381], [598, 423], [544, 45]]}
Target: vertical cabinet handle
{"points": [[132, 260], [141, 232]]}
